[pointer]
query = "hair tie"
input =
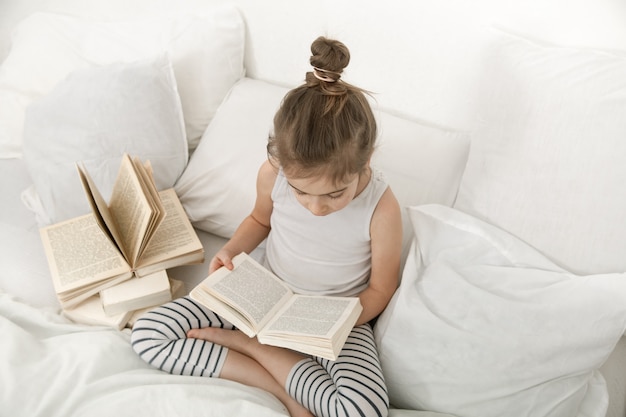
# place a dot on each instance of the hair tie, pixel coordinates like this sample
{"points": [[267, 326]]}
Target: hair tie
{"points": [[320, 74]]}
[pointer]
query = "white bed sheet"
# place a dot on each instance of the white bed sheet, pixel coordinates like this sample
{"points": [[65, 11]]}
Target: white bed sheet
{"points": [[52, 367]]}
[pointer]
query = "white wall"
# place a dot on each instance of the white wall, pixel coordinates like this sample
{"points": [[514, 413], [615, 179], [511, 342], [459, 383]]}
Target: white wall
{"points": [[421, 58]]}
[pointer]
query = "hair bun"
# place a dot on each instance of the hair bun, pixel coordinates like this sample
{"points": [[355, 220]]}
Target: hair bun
{"points": [[329, 58]]}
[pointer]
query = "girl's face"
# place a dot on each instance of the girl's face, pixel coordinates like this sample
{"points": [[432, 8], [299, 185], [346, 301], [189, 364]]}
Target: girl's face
{"points": [[322, 196]]}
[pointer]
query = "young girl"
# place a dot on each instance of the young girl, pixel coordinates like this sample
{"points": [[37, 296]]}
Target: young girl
{"points": [[332, 227]]}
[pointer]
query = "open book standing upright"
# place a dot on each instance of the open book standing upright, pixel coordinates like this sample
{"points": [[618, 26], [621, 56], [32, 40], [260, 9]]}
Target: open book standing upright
{"points": [[140, 231], [260, 304]]}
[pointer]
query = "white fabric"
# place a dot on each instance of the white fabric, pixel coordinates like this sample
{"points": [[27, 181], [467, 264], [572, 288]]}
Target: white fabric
{"points": [[206, 49], [548, 151], [75, 370], [334, 254], [422, 163], [25, 271], [484, 325], [93, 117], [217, 188], [420, 58]]}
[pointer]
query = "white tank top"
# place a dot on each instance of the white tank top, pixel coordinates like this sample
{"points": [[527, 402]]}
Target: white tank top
{"points": [[327, 255]]}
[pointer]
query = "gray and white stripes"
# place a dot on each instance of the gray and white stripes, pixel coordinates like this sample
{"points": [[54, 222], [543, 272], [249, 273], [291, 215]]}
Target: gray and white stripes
{"points": [[352, 385], [160, 338]]}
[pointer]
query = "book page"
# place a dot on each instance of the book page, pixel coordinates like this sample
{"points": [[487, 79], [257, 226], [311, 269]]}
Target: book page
{"points": [[79, 253], [99, 208], [312, 315], [315, 325], [152, 195], [174, 237], [250, 288], [130, 209]]}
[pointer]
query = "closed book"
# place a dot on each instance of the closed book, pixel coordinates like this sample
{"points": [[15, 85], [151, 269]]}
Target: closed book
{"points": [[178, 290], [91, 312], [137, 293]]}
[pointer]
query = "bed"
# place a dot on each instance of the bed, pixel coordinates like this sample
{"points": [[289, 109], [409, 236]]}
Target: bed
{"points": [[501, 133]]}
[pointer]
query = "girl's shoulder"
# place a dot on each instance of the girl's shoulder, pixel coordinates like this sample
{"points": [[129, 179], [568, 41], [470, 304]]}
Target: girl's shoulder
{"points": [[388, 205]]}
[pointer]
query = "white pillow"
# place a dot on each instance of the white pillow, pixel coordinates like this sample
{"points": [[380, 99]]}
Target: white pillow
{"points": [[206, 50], [93, 117], [548, 151], [483, 325], [423, 163], [218, 187]]}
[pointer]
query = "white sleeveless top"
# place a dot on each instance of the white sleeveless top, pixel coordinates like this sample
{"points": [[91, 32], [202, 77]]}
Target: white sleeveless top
{"points": [[325, 255]]}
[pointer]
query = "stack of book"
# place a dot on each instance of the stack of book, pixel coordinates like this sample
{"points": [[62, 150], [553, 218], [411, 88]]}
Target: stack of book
{"points": [[121, 305], [114, 259]]}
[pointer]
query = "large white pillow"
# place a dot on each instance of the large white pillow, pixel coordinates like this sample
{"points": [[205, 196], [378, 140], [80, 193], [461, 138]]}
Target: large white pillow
{"points": [[422, 162], [483, 325], [548, 151], [93, 117], [206, 50], [218, 188]]}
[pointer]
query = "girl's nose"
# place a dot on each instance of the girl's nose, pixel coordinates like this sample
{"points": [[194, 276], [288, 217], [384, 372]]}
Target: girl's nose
{"points": [[316, 206]]}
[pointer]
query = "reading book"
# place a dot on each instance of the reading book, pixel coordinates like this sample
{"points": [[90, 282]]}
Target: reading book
{"points": [[140, 231], [260, 304]]}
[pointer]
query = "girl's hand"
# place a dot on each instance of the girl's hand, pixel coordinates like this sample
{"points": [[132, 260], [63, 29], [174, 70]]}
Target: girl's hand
{"points": [[221, 258]]}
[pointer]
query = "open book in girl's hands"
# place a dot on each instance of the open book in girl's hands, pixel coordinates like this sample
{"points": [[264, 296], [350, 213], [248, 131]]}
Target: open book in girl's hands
{"points": [[260, 304]]}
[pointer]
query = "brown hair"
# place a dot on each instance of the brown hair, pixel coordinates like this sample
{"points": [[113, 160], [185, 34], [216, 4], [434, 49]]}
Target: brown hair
{"points": [[325, 126]]}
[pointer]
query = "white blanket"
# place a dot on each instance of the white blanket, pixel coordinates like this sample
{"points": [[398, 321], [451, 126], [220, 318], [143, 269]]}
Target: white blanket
{"points": [[52, 367]]}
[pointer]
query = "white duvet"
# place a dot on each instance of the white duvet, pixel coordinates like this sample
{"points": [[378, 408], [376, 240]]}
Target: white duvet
{"points": [[53, 368]]}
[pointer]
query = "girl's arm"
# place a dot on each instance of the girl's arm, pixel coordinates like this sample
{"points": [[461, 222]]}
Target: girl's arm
{"points": [[386, 234], [254, 228]]}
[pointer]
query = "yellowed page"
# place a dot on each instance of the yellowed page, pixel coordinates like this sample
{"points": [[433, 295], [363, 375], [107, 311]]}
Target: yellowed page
{"points": [[175, 237], [130, 209], [251, 290], [152, 195], [99, 208], [316, 325], [79, 254], [313, 315]]}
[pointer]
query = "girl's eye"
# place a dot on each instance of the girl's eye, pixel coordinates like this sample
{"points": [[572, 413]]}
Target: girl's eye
{"points": [[298, 191], [334, 196]]}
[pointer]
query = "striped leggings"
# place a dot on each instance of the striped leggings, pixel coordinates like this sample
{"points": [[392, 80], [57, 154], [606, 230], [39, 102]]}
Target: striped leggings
{"points": [[352, 385]]}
